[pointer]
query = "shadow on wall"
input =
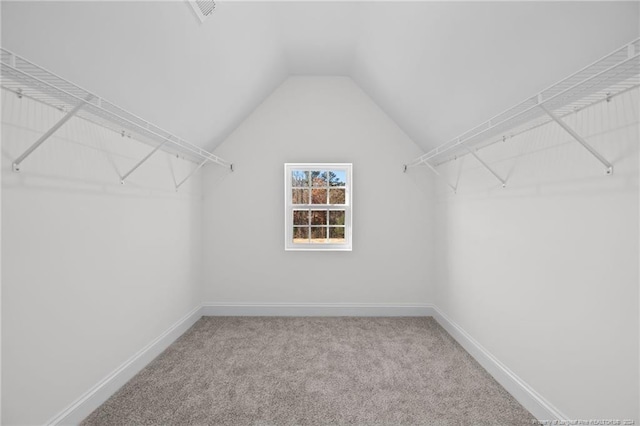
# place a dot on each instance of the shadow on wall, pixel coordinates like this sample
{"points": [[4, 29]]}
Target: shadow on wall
{"points": [[522, 269], [546, 161], [85, 158]]}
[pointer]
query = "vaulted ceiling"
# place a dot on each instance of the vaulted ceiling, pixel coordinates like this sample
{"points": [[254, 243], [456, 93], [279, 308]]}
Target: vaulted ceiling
{"points": [[436, 68]]}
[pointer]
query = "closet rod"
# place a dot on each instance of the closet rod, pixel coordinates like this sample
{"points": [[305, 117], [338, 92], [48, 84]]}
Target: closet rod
{"points": [[25, 78], [615, 73]]}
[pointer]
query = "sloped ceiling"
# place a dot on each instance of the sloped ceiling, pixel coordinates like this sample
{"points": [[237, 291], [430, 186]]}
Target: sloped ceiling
{"points": [[436, 68]]}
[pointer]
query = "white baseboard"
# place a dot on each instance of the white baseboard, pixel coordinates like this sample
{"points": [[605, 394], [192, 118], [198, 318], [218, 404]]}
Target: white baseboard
{"points": [[317, 309], [94, 397], [98, 394], [521, 391]]}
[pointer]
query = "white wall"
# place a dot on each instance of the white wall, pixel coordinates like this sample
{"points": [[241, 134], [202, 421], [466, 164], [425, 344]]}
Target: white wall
{"points": [[544, 273], [92, 271], [317, 119]]}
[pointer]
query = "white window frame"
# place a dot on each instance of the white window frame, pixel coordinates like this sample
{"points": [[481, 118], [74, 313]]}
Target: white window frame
{"points": [[289, 207]]}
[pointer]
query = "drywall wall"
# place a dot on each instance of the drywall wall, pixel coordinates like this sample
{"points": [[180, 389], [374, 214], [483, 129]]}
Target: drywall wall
{"points": [[544, 273], [317, 119], [92, 270]]}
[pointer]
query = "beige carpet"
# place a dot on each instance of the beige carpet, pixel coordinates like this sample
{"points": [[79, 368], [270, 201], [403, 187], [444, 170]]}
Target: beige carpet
{"points": [[312, 371]]}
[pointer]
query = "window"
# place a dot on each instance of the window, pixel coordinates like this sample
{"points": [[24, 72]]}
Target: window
{"points": [[317, 206]]}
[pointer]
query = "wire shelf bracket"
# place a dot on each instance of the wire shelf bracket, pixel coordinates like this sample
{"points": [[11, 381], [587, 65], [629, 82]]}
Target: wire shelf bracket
{"points": [[26, 79], [580, 139], [133, 169], [610, 76], [486, 166], [191, 174], [16, 164], [433, 169]]}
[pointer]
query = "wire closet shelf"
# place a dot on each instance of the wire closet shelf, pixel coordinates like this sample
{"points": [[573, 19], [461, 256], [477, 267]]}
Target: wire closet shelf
{"points": [[612, 75], [25, 78]]}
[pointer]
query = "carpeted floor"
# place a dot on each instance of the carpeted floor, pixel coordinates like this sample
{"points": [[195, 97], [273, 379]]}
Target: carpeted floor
{"points": [[312, 371]]}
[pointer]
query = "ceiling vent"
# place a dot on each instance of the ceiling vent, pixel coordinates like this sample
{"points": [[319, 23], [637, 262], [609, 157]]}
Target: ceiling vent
{"points": [[203, 8]]}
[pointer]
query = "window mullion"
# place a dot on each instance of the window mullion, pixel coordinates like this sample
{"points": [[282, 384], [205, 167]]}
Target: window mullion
{"points": [[294, 175]]}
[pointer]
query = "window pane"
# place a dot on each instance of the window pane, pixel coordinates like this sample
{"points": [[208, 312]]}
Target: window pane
{"points": [[318, 217], [299, 196], [337, 178], [318, 235], [300, 217], [318, 178], [299, 178], [318, 196], [337, 196], [317, 211], [301, 234], [336, 217], [336, 235]]}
